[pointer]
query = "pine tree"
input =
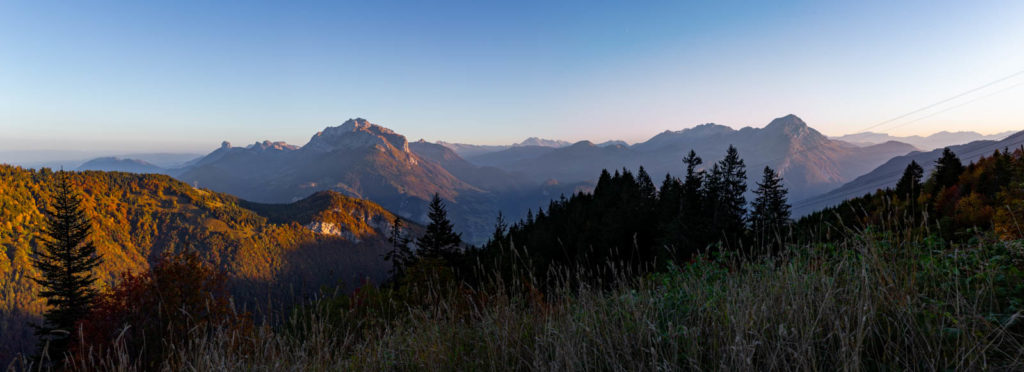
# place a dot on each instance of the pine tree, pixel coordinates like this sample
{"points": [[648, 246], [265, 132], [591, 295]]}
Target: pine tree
{"points": [[694, 177], [727, 186], [909, 186], [670, 198], [500, 230], [603, 183], [66, 263], [947, 170], [693, 187], [771, 211], [688, 231], [400, 256], [440, 240], [647, 189]]}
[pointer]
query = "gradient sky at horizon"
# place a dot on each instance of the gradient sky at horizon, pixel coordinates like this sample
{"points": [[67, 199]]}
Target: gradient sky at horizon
{"points": [[183, 76]]}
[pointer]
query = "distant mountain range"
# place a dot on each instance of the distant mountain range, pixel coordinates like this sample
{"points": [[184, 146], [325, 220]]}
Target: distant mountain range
{"points": [[75, 159], [467, 150], [809, 162], [887, 174], [365, 160], [121, 165], [934, 141]]}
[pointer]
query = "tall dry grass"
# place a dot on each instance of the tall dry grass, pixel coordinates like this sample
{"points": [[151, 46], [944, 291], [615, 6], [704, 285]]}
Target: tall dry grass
{"points": [[875, 301]]}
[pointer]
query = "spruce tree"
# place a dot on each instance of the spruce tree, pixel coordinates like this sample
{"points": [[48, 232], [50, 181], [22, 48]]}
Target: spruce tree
{"points": [[909, 186], [646, 185], [400, 256], [947, 170], [727, 186], [694, 177], [688, 232], [670, 195], [500, 230], [771, 211], [693, 203], [440, 240], [603, 183], [65, 262]]}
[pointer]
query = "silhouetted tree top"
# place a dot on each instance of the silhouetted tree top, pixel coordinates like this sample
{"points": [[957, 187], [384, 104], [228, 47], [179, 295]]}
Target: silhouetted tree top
{"points": [[947, 169], [440, 239], [909, 185]]}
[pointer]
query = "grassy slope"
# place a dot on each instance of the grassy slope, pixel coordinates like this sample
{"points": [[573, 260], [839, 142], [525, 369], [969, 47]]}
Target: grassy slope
{"points": [[872, 302]]}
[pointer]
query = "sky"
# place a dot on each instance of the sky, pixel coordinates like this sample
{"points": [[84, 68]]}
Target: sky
{"points": [[180, 76]]}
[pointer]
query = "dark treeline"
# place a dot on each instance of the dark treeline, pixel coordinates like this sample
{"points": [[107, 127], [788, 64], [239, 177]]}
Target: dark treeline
{"points": [[629, 224]]}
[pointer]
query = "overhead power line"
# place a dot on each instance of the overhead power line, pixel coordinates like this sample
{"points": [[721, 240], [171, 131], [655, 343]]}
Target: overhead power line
{"points": [[957, 106], [986, 85]]}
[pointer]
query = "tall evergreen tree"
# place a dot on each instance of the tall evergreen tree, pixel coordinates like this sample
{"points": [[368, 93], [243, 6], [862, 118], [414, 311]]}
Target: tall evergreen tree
{"points": [[726, 188], [66, 263], [647, 189], [770, 212], [670, 195], [947, 170], [688, 231], [694, 178], [909, 186], [603, 183], [440, 240], [693, 187], [400, 256], [500, 230]]}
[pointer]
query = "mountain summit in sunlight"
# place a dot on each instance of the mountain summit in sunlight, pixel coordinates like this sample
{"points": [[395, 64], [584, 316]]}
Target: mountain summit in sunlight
{"points": [[355, 134], [357, 158]]}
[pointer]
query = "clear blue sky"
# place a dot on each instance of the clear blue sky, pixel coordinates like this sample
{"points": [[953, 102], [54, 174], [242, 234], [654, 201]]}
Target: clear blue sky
{"points": [[182, 76]]}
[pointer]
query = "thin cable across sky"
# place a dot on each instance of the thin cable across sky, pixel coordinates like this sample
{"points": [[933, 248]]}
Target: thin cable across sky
{"points": [[933, 105]]}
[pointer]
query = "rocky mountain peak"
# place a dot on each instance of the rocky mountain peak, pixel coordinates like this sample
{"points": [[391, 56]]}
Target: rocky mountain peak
{"points": [[706, 129], [355, 134], [268, 145], [793, 127], [536, 141], [788, 122], [583, 144]]}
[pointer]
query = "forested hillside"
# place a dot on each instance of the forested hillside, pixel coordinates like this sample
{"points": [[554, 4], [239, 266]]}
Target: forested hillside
{"points": [[957, 201], [691, 276], [137, 217]]}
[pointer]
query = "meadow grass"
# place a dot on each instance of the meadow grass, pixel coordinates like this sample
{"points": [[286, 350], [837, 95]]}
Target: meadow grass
{"points": [[875, 301]]}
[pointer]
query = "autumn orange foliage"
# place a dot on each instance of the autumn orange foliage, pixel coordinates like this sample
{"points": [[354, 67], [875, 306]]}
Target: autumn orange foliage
{"points": [[166, 306]]}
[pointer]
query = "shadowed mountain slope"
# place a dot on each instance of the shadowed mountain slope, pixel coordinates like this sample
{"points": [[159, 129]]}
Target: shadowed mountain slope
{"points": [[931, 142], [887, 174]]}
